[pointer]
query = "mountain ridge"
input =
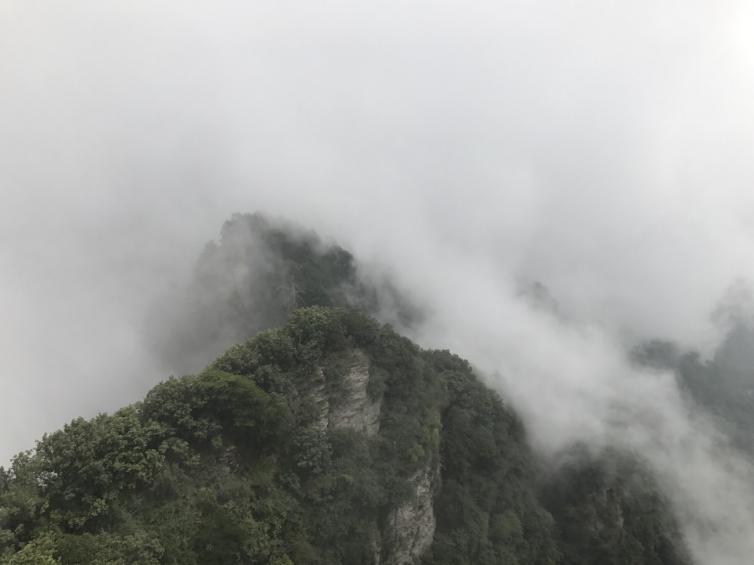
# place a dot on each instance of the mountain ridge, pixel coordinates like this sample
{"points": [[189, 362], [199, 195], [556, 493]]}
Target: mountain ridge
{"points": [[328, 440]]}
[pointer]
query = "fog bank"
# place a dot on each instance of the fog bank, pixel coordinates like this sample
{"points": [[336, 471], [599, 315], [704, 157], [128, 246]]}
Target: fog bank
{"points": [[603, 149]]}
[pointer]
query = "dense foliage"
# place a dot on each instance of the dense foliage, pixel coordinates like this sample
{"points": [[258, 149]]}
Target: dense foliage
{"points": [[609, 511], [251, 279], [231, 466], [721, 385], [248, 462]]}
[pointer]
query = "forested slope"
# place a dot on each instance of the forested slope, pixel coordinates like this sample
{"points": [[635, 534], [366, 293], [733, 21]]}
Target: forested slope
{"points": [[328, 440]]}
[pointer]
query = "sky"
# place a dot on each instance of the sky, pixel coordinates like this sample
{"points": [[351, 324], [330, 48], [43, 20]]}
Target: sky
{"points": [[602, 148]]}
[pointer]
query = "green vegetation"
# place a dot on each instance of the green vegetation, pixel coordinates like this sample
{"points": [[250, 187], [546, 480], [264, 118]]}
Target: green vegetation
{"points": [[609, 511], [722, 385], [260, 271], [236, 465], [329, 441]]}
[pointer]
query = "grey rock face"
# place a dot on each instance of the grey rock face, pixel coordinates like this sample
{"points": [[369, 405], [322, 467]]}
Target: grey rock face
{"points": [[319, 396], [355, 410], [411, 526], [350, 407]]}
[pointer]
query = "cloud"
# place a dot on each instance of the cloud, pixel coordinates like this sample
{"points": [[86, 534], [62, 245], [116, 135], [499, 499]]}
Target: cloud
{"points": [[601, 148]]}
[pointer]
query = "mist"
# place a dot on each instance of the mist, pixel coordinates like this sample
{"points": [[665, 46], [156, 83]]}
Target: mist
{"points": [[600, 148]]}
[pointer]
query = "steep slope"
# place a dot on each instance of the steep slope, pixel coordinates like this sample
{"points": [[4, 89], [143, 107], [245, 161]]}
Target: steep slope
{"points": [[722, 386], [251, 279], [608, 510], [331, 441]]}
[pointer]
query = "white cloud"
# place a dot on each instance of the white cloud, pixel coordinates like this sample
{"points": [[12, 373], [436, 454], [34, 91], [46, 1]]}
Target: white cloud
{"points": [[600, 147]]}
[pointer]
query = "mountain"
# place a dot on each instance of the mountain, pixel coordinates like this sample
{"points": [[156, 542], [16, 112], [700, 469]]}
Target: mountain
{"points": [[722, 386], [326, 439], [258, 272]]}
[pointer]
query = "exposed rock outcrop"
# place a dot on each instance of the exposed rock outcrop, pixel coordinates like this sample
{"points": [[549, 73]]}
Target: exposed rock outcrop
{"points": [[349, 406], [354, 409], [411, 526], [321, 401]]}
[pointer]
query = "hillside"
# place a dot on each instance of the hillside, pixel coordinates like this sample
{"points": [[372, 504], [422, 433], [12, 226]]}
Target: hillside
{"points": [[722, 386], [328, 440], [252, 278]]}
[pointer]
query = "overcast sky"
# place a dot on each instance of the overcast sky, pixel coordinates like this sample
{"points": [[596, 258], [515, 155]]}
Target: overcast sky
{"points": [[601, 147]]}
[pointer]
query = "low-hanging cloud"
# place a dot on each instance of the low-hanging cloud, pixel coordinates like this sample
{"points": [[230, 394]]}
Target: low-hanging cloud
{"points": [[602, 148]]}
